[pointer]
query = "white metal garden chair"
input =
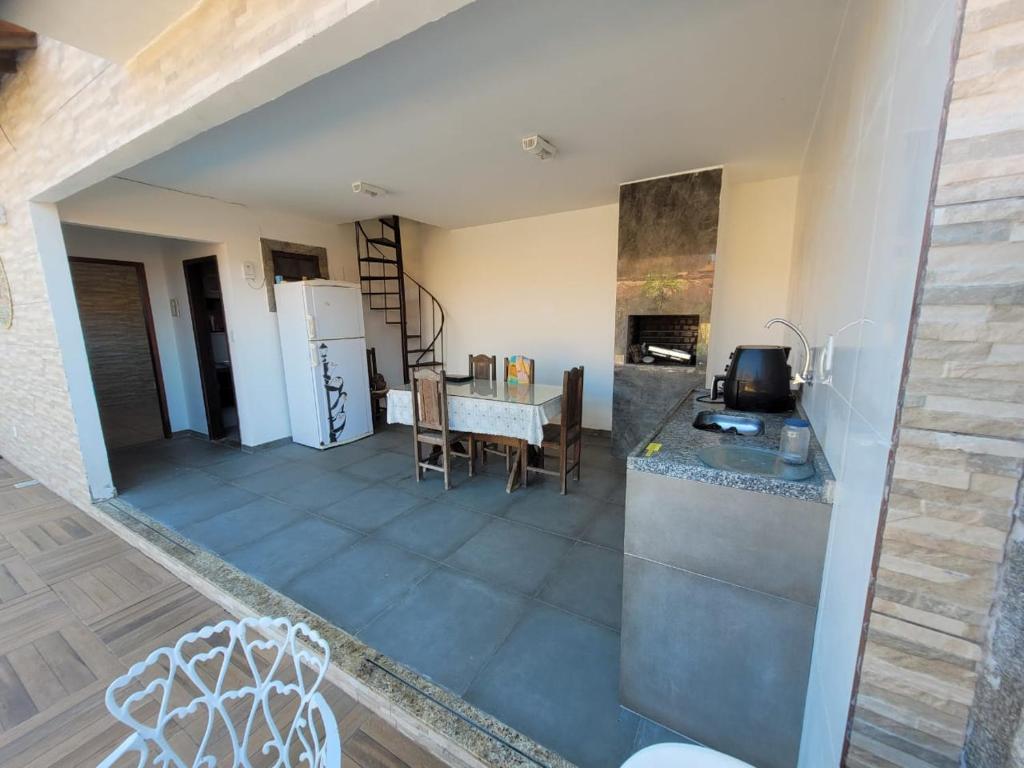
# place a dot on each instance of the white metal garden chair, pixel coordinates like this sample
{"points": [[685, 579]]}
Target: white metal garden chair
{"points": [[224, 691]]}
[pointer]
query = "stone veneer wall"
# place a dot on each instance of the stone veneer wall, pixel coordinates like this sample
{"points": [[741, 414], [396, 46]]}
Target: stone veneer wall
{"points": [[933, 669]]}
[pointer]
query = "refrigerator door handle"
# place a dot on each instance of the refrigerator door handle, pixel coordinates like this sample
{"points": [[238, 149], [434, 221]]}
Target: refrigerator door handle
{"points": [[314, 360], [311, 326]]}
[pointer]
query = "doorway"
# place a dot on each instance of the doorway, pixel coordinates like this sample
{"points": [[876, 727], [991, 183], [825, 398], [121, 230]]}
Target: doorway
{"points": [[120, 341], [202, 281]]}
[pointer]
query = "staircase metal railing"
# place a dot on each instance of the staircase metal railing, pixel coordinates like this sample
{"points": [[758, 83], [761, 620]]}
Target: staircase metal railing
{"points": [[371, 255]]}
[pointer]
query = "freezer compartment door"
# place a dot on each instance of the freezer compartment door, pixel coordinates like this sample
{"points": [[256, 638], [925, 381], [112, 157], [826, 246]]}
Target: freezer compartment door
{"points": [[334, 312], [341, 384]]}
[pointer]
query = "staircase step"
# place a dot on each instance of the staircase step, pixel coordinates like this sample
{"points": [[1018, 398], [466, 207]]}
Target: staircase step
{"points": [[388, 221], [376, 260], [380, 293], [424, 364], [417, 351], [385, 241], [368, 278]]}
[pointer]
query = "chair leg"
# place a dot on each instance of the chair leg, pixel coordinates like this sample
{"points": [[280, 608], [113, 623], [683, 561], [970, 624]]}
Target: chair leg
{"points": [[508, 458], [579, 457], [472, 455], [447, 458], [563, 462], [524, 450], [416, 458]]}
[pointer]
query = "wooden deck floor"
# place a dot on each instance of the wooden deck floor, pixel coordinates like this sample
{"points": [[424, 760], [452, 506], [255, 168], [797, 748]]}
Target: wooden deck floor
{"points": [[77, 607]]}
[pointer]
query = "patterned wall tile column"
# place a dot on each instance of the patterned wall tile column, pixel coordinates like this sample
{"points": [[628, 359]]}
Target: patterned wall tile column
{"points": [[954, 497]]}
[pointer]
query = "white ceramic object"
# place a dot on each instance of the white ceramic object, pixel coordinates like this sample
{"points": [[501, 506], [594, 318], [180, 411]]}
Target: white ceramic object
{"points": [[312, 732], [682, 756]]}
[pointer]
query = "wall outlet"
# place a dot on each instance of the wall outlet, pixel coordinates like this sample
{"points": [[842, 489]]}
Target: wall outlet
{"points": [[249, 270], [174, 308]]}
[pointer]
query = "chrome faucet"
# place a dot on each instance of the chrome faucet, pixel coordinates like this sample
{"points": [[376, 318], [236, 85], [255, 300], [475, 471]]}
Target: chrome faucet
{"points": [[805, 376]]}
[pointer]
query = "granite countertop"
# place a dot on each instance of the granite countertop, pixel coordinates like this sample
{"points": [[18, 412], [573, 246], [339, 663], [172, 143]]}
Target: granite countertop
{"points": [[680, 442]]}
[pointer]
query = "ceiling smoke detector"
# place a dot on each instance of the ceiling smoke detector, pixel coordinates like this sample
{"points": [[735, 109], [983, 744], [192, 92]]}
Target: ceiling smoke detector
{"points": [[539, 147], [362, 188]]}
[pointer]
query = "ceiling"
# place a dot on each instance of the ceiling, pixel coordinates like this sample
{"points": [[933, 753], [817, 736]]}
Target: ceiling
{"points": [[436, 117], [113, 29]]}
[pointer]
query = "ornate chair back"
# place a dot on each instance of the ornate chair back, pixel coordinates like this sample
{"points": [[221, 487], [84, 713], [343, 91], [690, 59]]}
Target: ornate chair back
{"points": [[252, 684]]}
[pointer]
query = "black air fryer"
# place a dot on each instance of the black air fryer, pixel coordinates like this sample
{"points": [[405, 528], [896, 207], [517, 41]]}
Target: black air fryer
{"points": [[756, 379]]}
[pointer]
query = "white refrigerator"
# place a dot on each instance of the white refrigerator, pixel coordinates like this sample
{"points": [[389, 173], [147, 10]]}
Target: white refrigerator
{"points": [[324, 353]]}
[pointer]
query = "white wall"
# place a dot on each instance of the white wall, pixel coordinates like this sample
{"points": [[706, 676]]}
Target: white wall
{"points": [[543, 287], [752, 266], [165, 279], [861, 210], [236, 230]]}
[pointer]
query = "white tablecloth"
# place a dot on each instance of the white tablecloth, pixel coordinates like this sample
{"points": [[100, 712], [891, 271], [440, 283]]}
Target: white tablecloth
{"points": [[520, 414]]}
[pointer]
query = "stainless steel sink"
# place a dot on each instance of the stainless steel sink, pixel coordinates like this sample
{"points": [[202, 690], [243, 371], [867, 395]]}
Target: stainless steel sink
{"points": [[716, 421], [753, 461]]}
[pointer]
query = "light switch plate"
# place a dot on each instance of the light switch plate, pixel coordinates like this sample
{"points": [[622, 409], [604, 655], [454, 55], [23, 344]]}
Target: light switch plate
{"points": [[249, 270], [174, 308]]}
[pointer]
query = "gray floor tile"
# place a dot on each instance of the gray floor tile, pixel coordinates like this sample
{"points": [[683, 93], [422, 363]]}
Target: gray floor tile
{"points": [[433, 530], [483, 493], [196, 453], [293, 452], [608, 528], [183, 483], [182, 511], [545, 508], [606, 483], [556, 679], [285, 475], [369, 509], [352, 588], [244, 464], [387, 465], [447, 627], [430, 487], [242, 525], [649, 733], [129, 473], [390, 438], [344, 455], [320, 491], [283, 554], [511, 555], [588, 582]]}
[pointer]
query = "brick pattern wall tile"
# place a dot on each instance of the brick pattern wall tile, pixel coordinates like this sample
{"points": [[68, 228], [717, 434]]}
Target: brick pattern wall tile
{"points": [[960, 450]]}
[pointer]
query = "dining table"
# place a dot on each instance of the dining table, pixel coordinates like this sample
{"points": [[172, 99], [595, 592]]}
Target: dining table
{"points": [[497, 412]]}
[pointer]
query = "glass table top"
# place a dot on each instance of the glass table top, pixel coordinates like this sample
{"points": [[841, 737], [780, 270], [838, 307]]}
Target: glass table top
{"points": [[499, 391]]}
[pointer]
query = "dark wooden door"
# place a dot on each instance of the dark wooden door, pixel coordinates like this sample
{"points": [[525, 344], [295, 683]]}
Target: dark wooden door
{"points": [[117, 324], [206, 305]]}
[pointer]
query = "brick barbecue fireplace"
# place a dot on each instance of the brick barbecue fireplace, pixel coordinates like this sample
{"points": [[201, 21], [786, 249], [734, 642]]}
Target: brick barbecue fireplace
{"points": [[679, 332]]}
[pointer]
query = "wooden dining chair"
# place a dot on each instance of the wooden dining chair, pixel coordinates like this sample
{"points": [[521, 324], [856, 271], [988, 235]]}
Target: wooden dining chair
{"points": [[567, 436], [483, 367], [378, 385], [519, 370], [430, 425]]}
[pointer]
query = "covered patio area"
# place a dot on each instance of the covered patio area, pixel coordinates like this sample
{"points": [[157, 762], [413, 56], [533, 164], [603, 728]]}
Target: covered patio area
{"points": [[510, 601]]}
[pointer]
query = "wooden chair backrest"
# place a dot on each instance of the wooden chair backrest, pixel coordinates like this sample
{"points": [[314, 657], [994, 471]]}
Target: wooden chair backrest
{"points": [[483, 367], [371, 362], [430, 400], [572, 401], [510, 361]]}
